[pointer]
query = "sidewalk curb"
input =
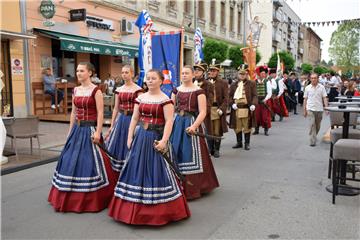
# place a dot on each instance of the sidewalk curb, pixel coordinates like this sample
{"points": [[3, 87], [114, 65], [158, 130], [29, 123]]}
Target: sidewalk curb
{"points": [[27, 166]]}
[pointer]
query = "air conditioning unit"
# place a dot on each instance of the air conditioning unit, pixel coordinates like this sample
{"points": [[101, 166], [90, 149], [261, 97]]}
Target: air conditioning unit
{"points": [[127, 26], [186, 38]]}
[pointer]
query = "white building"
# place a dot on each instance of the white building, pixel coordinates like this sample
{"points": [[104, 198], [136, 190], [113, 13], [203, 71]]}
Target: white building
{"points": [[278, 33]]}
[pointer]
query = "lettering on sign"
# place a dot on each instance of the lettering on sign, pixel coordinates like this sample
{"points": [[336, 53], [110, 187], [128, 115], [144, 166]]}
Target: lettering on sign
{"points": [[99, 23], [47, 9]]}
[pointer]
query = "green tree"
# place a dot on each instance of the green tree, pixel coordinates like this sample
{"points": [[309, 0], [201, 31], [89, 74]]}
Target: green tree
{"points": [[321, 69], [344, 44], [285, 57], [236, 56], [306, 68], [215, 49]]}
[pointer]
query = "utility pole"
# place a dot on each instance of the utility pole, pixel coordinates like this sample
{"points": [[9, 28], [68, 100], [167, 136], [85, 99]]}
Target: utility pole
{"points": [[195, 14], [245, 2]]}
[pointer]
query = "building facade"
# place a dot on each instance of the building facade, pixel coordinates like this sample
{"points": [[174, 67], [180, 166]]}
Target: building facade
{"points": [[221, 20], [13, 60], [279, 33], [309, 46]]}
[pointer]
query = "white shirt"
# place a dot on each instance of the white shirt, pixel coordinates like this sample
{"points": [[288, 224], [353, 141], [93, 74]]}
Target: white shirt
{"points": [[281, 85], [268, 90], [314, 96], [334, 82]]}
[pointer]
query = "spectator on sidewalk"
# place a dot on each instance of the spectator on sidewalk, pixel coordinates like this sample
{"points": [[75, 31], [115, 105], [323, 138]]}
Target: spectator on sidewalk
{"points": [[314, 101], [49, 87], [304, 82]]}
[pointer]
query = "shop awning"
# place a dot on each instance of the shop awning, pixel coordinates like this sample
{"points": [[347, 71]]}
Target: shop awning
{"points": [[89, 45], [15, 35]]}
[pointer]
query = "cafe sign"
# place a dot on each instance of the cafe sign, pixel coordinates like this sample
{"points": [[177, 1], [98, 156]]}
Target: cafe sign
{"points": [[47, 9], [87, 47], [99, 23]]}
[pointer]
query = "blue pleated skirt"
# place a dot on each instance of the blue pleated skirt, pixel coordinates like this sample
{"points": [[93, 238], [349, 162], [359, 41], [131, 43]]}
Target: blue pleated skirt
{"points": [[146, 177], [187, 151], [117, 141], [81, 166]]}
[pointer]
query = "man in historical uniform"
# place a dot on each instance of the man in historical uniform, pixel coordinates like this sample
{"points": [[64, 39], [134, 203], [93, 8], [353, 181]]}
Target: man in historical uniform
{"points": [[199, 73], [218, 107], [263, 111], [243, 101]]}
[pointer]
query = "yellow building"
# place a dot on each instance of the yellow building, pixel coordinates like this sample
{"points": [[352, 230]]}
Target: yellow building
{"points": [[15, 95]]}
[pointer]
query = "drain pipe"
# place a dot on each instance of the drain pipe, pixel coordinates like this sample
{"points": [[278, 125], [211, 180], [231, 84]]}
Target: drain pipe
{"points": [[26, 56]]}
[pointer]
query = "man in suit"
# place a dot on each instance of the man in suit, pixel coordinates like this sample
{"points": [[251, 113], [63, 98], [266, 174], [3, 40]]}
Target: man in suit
{"points": [[218, 106], [243, 101]]}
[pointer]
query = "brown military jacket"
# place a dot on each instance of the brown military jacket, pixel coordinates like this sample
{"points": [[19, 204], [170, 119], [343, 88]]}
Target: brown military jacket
{"points": [[251, 98], [222, 100], [209, 93]]}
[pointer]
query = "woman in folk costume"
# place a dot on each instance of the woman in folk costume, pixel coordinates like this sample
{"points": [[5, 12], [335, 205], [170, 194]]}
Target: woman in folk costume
{"points": [[83, 180], [116, 137], [191, 151], [147, 192], [277, 102]]}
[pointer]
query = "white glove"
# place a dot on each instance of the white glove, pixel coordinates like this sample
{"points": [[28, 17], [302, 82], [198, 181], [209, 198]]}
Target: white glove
{"points": [[252, 108], [220, 112], [296, 94], [234, 106]]}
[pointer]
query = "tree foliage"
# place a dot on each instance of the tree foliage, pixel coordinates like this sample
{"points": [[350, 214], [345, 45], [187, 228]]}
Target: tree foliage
{"points": [[344, 44], [236, 56], [321, 69], [285, 57], [306, 68], [215, 49]]}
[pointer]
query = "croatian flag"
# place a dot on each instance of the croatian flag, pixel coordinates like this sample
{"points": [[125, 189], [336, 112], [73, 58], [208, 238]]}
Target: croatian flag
{"points": [[144, 23], [199, 42], [166, 48]]}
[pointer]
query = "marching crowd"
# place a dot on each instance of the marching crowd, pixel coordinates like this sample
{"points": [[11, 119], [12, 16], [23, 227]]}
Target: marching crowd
{"points": [[157, 152]]}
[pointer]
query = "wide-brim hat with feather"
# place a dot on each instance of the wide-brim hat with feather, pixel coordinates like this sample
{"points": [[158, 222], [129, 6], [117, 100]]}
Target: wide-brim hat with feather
{"points": [[202, 66], [260, 69], [214, 65], [243, 68]]}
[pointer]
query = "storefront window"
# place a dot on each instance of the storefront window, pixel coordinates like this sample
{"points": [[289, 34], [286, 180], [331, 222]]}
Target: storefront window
{"points": [[63, 62], [6, 108]]}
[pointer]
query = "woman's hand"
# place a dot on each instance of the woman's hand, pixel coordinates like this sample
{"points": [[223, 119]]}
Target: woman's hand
{"points": [[160, 145], [108, 133], [96, 137], [129, 142], [191, 130]]}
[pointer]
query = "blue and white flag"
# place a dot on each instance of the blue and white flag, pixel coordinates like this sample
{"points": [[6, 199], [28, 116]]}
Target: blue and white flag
{"points": [[166, 48], [144, 24], [199, 42]]}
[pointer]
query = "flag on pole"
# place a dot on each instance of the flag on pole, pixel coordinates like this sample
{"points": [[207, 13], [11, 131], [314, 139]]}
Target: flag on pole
{"points": [[144, 23], [278, 67], [199, 42], [166, 52]]}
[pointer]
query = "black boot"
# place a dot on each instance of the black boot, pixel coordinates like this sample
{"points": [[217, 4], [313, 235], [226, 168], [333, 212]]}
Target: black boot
{"points": [[256, 131], [266, 131], [239, 143], [247, 141], [217, 148], [273, 118], [281, 118], [211, 146]]}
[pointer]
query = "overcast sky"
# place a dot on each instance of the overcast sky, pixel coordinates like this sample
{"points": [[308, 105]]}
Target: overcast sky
{"points": [[325, 10]]}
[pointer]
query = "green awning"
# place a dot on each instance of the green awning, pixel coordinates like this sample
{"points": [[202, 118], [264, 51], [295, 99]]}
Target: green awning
{"points": [[89, 45]]}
